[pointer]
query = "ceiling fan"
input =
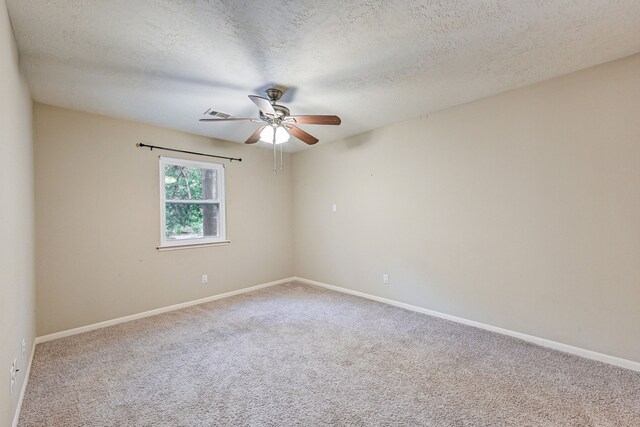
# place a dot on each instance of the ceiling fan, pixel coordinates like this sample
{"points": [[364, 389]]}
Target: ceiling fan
{"points": [[277, 122]]}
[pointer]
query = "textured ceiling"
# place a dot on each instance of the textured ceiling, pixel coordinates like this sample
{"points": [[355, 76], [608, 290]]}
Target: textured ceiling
{"points": [[372, 62]]}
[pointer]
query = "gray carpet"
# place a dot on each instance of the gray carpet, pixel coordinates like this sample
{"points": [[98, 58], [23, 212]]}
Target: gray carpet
{"points": [[299, 355]]}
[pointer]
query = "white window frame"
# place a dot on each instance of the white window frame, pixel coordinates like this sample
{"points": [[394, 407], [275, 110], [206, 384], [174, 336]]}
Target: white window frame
{"points": [[221, 201]]}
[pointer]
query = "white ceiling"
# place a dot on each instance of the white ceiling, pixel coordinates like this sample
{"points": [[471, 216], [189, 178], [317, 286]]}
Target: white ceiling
{"points": [[372, 62]]}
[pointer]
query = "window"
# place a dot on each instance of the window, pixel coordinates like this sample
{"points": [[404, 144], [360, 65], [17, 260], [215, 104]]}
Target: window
{"points": [[192, 208]]}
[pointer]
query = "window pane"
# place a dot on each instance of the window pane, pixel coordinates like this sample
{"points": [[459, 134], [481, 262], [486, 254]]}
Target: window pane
{"points": [[190, 183], [191, 221]]}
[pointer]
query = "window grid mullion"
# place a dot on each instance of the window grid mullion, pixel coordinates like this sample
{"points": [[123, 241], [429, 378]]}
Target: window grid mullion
{"points": [[192, 201]]}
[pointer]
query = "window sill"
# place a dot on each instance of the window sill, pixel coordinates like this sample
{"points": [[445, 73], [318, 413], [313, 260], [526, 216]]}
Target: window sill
{"points": [[191, 246]]}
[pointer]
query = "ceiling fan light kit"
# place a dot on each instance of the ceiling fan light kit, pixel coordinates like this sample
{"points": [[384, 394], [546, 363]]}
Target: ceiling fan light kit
{"points": [[278, 125], [281, 135]]}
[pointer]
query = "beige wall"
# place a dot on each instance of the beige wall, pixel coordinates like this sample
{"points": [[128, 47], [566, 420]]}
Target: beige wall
{"points": [[17, 279], [521, 210], [97, 221]]}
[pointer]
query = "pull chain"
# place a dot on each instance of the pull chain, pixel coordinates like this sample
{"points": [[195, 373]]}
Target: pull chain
{"points": [[275, 162], [281, 162]]}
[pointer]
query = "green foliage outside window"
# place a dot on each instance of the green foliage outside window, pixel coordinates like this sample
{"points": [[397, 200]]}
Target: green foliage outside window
{"points": [[185, 219]]}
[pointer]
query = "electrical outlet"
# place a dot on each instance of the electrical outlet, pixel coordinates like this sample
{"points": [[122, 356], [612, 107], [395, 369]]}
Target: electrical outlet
{"points": [[385, 279], [23, 347], [334, 208], [205, 279]]}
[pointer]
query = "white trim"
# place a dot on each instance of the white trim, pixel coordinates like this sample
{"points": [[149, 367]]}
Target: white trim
{"points": [[106, 323], [192, 246], [589, 354], [16, 416], [220, 201]]}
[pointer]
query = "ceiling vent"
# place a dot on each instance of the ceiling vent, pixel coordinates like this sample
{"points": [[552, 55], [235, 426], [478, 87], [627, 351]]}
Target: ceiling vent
{"points": [[217, 114]]}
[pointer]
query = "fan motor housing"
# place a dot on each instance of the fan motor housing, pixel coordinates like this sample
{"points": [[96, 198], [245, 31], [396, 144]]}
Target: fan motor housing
{"points": [[281, 111]]}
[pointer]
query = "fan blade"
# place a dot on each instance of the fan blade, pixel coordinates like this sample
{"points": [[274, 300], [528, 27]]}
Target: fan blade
{"points": [[315, 120], [255, 137], [301, 135], [264, 105], [232, 119]]}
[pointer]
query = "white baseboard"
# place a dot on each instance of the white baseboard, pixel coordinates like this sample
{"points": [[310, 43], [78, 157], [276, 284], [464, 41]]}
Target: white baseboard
{"points": [[129, 318], [16, 417], [589, 354]]}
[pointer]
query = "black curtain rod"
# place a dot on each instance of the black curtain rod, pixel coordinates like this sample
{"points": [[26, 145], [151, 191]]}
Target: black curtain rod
{"points": [[151, 147]]}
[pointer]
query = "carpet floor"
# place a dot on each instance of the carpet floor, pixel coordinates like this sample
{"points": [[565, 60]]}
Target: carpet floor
{"points": [[299, 355]]}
